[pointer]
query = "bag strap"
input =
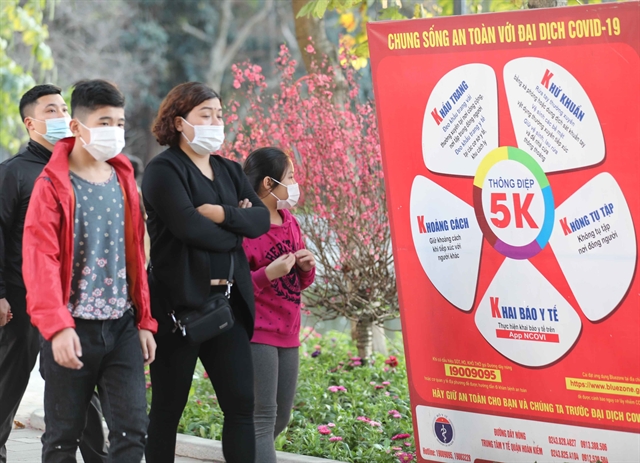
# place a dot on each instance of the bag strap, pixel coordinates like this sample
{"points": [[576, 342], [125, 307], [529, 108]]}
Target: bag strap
{"points": [[230, 278]]}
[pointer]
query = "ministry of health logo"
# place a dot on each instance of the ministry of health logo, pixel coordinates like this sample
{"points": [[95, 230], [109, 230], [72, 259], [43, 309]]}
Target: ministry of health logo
{"points": [[443, 430]]}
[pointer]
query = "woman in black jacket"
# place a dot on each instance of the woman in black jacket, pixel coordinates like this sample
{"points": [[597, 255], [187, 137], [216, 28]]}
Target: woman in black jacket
{"points": [[200, 207]]}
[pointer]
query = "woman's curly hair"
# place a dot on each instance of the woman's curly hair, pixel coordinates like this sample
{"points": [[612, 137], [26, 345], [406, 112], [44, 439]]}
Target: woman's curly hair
{"points": [[179, 103]]}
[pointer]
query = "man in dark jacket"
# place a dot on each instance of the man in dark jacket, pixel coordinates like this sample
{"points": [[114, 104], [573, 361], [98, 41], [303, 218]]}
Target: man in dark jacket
{"points": [[46, 118]]}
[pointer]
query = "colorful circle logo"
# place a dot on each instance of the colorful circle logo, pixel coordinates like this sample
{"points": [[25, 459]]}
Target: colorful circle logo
{"points": [[513, 202]]}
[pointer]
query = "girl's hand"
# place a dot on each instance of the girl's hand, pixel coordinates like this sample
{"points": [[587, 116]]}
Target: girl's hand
{"points": [[280, 267], [305, 260], [213, 212], [245, 204]]}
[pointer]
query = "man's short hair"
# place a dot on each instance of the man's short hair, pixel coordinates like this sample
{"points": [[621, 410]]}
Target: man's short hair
{"points": [[90, 95], [29, 99]]}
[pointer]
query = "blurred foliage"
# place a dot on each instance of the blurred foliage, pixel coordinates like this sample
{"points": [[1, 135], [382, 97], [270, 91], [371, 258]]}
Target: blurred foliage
{"points": [[21, 25]]}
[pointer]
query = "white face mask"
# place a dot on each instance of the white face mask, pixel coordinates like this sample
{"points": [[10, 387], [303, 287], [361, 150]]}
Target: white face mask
{"points": [[293, 192], [106, 142], [207, 139], [57, 129]]}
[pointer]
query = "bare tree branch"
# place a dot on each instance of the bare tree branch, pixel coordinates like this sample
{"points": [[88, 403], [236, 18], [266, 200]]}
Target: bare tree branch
{"points": [[223, 54], [195, 32], [244, 33]]}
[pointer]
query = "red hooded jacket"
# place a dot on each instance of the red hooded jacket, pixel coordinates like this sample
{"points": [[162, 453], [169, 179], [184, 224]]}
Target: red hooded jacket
{"points": [[47, 250]]}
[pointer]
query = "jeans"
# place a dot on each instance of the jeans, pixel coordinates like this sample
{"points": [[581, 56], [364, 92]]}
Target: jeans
{"points": [[275, 373], [227, 359], [112, 358]]}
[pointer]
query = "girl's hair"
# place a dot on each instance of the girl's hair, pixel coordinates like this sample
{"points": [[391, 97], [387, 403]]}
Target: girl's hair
{"points": [[265, 162], [179, 102]]}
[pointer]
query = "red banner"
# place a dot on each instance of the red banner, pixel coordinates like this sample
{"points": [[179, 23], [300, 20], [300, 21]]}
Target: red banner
{"points": [[511, 145]]}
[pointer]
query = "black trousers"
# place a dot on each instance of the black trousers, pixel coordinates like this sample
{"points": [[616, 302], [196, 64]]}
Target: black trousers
{"points": [[227, 359], [19, 347], [112, 358]]}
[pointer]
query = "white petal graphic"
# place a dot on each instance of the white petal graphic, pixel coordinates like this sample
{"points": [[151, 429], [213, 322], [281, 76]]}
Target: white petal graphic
{"points": [[460, 123], [552, 115], [525, 318], [595, 243], [448, 241]]}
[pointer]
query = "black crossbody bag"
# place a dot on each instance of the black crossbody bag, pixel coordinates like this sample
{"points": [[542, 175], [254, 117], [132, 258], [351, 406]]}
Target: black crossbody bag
{"points": [[211, 319]]}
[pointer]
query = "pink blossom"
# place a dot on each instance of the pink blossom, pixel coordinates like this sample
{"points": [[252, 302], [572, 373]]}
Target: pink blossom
{"points": [[363, 418], [205, 375], [386, 383], [401, 436], [405, 457], [392, 361], [374, 424], [337, 389], [324, 430], [327, 137], [407, 444], [335, 439], [148, 385], [331, 425]]}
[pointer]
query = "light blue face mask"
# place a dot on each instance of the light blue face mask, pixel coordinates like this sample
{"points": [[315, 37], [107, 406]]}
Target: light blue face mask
{"points": [[57, 129]]}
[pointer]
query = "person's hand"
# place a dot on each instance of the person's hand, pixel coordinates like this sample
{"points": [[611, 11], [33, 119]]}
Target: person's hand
{"points": [[148, 344], [245, 204], [305, 260], [280, 267], [67, 349], [5, 312], [213, 212]]}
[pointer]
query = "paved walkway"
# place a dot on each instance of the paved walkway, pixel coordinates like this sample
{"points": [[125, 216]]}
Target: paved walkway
{"points": [[24, 445]]}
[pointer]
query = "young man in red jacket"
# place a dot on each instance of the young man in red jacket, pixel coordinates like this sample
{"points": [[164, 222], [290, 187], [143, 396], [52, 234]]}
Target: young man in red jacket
{"points": [[87, 293], [46, 118]]}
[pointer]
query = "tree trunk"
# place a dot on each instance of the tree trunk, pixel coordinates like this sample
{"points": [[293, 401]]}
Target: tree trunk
{"points": [[312, 27], [379, 340], [364, 337]]}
